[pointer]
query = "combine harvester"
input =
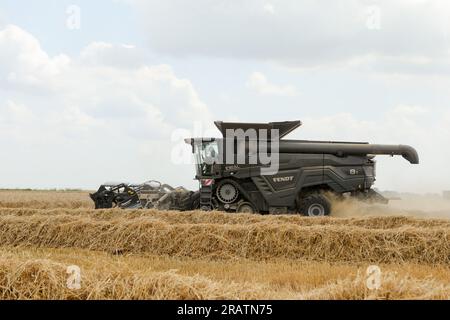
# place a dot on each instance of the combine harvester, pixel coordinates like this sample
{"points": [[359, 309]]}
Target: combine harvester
{"points": [[237, 179]]}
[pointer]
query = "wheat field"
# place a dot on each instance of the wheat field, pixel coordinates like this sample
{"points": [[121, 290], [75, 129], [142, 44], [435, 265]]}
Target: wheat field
{"points": [[149, 254]]}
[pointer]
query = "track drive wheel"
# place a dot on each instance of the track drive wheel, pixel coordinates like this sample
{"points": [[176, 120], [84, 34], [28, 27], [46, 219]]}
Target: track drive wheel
{"points": [[227, 193]]}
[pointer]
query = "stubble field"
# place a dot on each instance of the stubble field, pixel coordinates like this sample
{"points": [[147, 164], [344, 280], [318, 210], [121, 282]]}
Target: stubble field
{"points": [[148, 254]]}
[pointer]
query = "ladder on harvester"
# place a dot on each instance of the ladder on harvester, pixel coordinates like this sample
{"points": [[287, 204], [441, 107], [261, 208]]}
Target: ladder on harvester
{"points": [[206, 197]]}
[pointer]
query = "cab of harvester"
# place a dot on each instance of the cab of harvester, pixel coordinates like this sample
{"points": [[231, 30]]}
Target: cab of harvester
{"points": [[206, 151], [211, 156]]}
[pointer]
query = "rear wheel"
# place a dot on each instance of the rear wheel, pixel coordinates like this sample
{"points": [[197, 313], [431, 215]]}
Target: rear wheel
{"points": [[245, 207], [314, 205]]}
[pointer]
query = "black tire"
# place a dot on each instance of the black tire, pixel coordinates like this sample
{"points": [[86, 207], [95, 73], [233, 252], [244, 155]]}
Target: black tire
{"points": [[314, 205], [245, 207]]}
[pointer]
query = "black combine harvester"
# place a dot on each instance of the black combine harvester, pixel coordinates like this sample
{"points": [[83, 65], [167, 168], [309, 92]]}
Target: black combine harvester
{"points": [[307, 172]]}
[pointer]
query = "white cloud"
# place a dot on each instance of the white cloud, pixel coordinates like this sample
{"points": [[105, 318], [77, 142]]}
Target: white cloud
{"points": [[13, 113], [413, 36], [24, 62], [99, 83], [261, 84], [269, 8], [61, 109], [101, 53]]}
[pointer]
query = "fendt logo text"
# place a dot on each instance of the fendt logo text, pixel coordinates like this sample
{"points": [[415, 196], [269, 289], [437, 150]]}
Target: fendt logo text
{"points": [[283, 179]]}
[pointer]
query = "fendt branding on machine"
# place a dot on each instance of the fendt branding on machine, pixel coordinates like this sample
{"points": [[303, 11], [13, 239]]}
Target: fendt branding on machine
{"points": [[283, 179], [253, 168]]}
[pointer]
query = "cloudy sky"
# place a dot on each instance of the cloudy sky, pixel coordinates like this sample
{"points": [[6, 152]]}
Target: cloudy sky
{"points": [[92, 91]]}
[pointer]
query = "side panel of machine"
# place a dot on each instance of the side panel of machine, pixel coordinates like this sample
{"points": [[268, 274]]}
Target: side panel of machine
{"points": [[300, 171], [296, 172], [349, 173]]}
